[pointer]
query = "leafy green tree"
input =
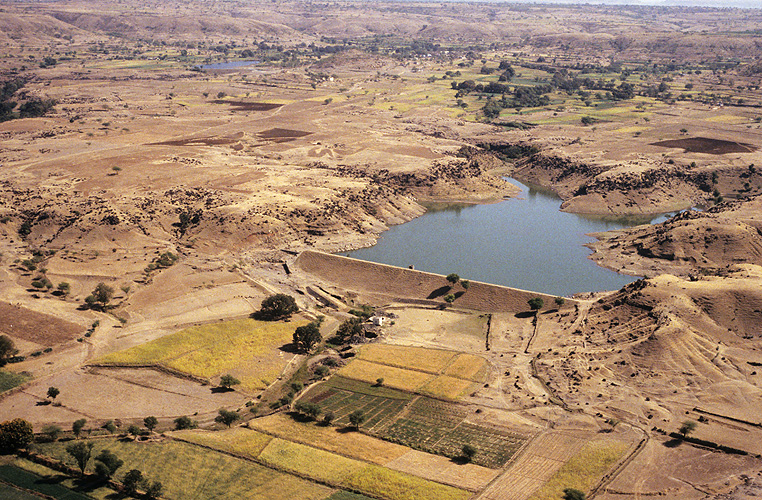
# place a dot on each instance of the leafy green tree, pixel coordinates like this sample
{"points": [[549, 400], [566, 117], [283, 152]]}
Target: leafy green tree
{"points": [[106, 464], [15, 434], [278, 306], [100, 296], [7, 349], [351, 327], [133, 430], [53, 392], [328, 418], [77, 427], [151, 423], [226, 381], [307, 336], [52, 431], [110, 426], [81, 452], [453, 278], [686, 428], [64, 288], [356, 418], [560, 301], [154, 490], [572, 494], [449, 298], [536, 303], [308, 409], [132, 481], [226, 417], [468, 452], [465, 284], [185, 422]]}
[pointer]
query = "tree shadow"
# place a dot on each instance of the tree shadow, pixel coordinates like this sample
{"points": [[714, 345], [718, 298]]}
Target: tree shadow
{"points": [[221, 390], [347, 429], [289, 348], [459, 294], [673, 443], [439, 292], [460, 460], [525, 314]]}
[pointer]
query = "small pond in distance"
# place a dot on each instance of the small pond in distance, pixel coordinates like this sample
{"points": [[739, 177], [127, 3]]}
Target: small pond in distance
{"points": [[523, 242]]}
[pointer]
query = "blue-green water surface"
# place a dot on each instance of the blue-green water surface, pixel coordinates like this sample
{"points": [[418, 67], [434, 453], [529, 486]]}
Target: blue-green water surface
{"points": [[523, 242]]}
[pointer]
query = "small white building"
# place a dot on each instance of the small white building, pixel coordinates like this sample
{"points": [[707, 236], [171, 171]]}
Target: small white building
{"points": [[377, 320]]}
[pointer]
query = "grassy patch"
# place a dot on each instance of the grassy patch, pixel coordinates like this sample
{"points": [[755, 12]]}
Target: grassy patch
{"points": [[347, 495], [11, 493], [311, 462], [399, 378], [412, 358], [448, 387], [243, 347], [204, 473], [392, 485], [9, 380], [351, 444], [468, 367], [238, 440], [583, 470], [49, 485]]}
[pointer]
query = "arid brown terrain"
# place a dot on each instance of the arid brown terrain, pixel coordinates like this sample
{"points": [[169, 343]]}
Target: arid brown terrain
{"points": [[198, 157]]}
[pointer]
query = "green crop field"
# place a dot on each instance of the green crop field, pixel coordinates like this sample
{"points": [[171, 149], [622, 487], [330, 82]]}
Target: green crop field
{"points": [[343, 400], [188, 471], [46, 485], [419, 422], [9, 380], [243, 347]]}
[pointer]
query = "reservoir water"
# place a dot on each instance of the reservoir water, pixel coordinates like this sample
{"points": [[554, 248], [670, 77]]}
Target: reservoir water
{"points": [[523, 242]]}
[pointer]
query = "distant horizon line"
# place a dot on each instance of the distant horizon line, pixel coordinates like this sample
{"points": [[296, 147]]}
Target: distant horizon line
{"points": [[732, 4]]}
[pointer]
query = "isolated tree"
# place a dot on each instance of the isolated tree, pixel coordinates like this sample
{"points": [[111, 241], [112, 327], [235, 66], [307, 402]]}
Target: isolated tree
{"points": [[613, 422], [133, 430], [81, 452], [100, 296], [110, 426], [278, 306], [468, 452], [572, 494], [559, 301], [52, 431], [154, 490], [379, 381], [686, 428], [7, 349], [308, 409], [465, 284], [449, 298], [535, 303], [151, 423], [453, 278], [77, 427], [132, 481], [226, 381], [184, 422], [356, 418], [64, 288], [106, 464], [307, 336], [53, 392], [226, 417], [328, 418], [15, 434]]}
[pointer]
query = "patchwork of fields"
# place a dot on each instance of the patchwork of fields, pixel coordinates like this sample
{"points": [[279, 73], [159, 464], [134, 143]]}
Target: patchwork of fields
{"points": [[246, 348], [419, 422], [436, 372]]}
